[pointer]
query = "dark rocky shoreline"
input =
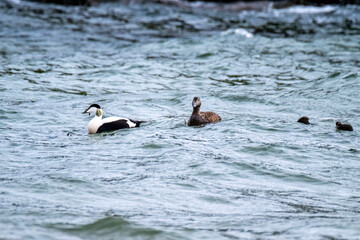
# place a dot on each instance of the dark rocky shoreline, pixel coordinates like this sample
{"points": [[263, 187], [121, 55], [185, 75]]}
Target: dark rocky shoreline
{"points": [[221, 4]]}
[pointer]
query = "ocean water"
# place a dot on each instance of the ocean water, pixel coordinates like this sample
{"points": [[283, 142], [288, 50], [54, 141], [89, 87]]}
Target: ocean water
{"points": [[258, 174]]}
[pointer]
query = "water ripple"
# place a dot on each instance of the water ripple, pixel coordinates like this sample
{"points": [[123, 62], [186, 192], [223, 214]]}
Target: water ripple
{"points": [[256, 174]]}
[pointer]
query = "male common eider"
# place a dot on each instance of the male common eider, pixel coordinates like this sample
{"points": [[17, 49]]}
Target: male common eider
{"points": [[200, 118], [304, 120], [344, 127], [98, 124]]}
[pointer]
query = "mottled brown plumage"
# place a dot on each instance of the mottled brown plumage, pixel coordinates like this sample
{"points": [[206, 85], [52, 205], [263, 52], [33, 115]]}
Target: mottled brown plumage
{"points": [[199, 118]]}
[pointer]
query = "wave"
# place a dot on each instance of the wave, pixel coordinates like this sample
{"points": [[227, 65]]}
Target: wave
{"points": [[238, 31], [112, 227], [309, 9]]}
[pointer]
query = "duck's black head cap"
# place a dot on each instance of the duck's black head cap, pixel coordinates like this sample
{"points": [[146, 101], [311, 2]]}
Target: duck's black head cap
{"points": [[92, 105], [95, 105]]}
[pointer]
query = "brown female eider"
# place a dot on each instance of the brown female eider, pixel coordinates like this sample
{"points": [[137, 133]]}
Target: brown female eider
{"points": [[199, 118], [304, 120], [344, 127]]}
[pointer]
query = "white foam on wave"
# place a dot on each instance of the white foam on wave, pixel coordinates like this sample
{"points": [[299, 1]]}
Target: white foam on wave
{"points": [[309, 9], [238, 31]]}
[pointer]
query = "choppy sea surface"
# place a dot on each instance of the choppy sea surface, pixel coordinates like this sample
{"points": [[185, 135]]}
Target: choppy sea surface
{"points": [[258, 174]]}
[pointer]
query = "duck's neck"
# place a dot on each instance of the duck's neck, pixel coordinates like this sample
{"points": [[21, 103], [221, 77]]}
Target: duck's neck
{"points": [[196, 110], [97, 118]]}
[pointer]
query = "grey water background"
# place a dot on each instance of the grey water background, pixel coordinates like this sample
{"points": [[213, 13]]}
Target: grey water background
{"points": [[258, 174]]}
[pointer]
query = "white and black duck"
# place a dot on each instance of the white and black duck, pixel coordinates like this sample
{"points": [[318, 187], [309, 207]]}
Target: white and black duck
{"points": [[99, 124], [199, 118]]}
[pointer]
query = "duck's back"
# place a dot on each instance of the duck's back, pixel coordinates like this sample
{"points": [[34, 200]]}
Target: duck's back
{"points": [[120, 123], [210, 117], [345, 127]]}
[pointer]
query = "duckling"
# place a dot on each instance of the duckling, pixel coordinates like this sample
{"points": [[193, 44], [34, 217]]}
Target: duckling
{"points": [[344, 127], [304, 120]]}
